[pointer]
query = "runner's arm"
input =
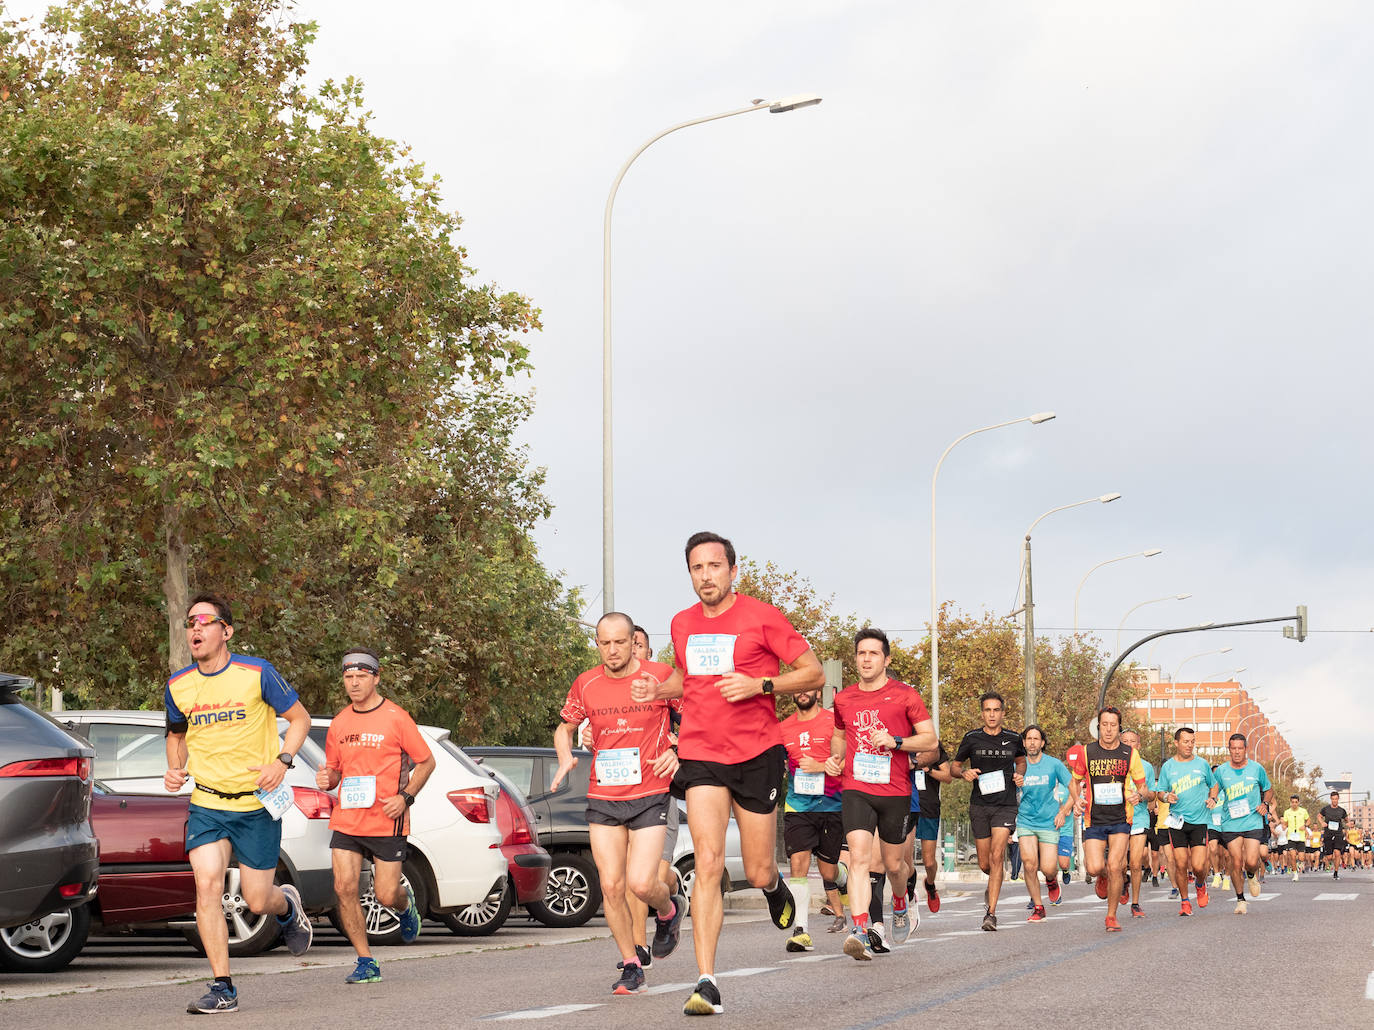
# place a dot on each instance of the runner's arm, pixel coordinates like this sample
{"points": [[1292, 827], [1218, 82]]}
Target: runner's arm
{"points": [[941, 772], [835, 767], [175, 776], [562, 744], [806, 674], [642, 690]]}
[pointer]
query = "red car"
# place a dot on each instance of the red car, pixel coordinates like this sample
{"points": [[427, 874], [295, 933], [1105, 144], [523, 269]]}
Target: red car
{"points": [[527, 862]]}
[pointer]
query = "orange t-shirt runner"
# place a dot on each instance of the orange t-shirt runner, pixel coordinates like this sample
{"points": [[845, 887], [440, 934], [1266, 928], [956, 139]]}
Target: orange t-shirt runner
{"points": [[627, 736], [374, 752]]}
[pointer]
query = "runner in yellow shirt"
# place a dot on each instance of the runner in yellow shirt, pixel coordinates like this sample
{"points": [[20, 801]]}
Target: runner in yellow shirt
{"points": [[1295, 820]]}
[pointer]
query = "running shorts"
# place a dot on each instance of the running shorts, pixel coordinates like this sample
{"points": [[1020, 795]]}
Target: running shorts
{"points": [[670, 838], [254, 836], [886, 812], [1229, 835], [379, 849], [1189, 835], [754, 784], [821, 833], [639, 814], [986, 818], [1050, 836], [1105, 830]]}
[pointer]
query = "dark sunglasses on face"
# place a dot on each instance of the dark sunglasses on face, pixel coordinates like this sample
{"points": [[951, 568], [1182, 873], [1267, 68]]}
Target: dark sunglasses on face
{"points": [[202, 619]]}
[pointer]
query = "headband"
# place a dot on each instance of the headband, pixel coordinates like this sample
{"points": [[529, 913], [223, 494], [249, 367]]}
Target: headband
{"points": [[361, 660]]}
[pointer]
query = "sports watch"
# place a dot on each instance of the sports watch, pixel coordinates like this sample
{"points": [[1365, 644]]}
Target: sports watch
{"points": [[767, 685], [287, 759]]}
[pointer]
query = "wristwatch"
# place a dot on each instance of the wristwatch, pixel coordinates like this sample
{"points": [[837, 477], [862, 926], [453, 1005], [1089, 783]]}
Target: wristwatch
{"points": [[897, 743], [287, 759], [767, 685], [410, 798]]}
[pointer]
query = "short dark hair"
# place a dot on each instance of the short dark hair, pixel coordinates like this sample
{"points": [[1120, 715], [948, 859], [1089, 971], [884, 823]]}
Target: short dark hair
{"points": [[1044, 740], [1109, 710], [629, 622], [1235, 736], [1335, 793], [640, 629], [1292, 797], [1184, 729], [992, 695], [221, 605], [697, 539], [872, 633]]}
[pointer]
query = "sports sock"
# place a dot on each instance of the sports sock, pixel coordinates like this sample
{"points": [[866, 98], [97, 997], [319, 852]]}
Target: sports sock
{"points": [[228, 981], [875, 903], [861, 920], [898, 905]]}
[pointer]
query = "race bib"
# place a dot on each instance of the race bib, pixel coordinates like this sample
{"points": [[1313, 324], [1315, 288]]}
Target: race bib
{"points": [[1239, 808], [277, 802], [1173, 822], [919, 779], [1108, 793], [710, 654], [1333, 826], [1216, 818], [991, 782], [872, 768], [618, 767], [358, 792], [808, 783]]}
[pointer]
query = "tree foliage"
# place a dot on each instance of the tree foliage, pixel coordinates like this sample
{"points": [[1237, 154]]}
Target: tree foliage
{"points": [[242, 352]]}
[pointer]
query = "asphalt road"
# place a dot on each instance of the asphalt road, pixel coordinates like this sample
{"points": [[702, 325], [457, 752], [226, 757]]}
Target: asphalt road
{"points": [[1314, 937]]}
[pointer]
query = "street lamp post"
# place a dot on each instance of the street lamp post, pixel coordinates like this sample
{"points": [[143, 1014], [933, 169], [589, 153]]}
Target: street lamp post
{"points": [[1263, 734], [1035, 420], [607, 489], [1254, 693], [1028, 703], [1135, 554], [1154, 600]]}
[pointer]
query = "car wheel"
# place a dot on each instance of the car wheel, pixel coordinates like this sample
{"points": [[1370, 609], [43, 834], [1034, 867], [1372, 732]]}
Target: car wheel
{"points": [[573, 893], [485, 918], [382, 924], [687, 875], [46, 944], [249, 933]]}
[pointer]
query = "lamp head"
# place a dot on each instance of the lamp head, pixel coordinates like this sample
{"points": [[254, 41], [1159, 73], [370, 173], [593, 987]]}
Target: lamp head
{"points": [[1152, 552], [794, 103], [1108, 498], [1182, 597], [1041, 416]]}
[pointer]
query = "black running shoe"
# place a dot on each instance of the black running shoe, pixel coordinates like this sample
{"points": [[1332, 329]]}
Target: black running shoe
{"points": [[780, 905], [219, 998], [631, 980], [667, 931], [705, 1000]]}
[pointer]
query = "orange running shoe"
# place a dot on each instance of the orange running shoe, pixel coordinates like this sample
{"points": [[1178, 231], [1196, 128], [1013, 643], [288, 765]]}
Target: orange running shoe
{"points": [[1102, 886], [1112, 925], [1201, 895], [1186, 908]]}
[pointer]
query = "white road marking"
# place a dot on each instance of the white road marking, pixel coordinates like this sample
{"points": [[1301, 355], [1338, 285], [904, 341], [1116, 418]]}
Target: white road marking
{"points": [[749, 971], [1335, 897], [1369, 988], [544, 1013], [812, 958]]}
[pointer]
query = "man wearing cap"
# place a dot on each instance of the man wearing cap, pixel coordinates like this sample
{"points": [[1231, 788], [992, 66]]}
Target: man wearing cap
{"points": [[377, 757]]}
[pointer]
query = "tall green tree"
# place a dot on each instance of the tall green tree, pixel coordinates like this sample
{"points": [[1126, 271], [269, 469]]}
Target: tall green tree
{"points": [[242, 351]]}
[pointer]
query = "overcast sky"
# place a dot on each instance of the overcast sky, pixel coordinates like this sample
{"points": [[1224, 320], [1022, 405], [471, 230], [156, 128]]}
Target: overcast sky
{"points": [[1152, 219]]}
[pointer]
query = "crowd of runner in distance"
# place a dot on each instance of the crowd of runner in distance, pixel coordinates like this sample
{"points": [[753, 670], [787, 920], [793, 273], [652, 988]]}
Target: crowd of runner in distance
{"points": [[863, 780]]}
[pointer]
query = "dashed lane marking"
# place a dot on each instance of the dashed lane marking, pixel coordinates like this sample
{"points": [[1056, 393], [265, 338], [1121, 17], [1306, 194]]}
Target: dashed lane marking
{"points": [[1335, 897], [544, 1013], [1369, 988]]}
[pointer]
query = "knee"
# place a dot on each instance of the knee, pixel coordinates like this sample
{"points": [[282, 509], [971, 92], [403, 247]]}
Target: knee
{"points": [[613, 888], [258, 899], [641, 886], [345, 886]]}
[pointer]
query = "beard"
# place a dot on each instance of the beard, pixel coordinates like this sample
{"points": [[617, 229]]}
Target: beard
{"points": [[805, 702]]}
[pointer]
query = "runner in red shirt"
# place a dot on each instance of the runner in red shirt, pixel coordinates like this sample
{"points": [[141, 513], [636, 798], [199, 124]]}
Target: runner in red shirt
{"points": [[627, 794], [879, 722], [728, 651]]}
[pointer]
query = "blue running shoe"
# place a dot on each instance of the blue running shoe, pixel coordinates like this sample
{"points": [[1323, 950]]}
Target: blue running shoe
{"points": [[219, 998], [365, 972], [296, 931], [410, 918]]}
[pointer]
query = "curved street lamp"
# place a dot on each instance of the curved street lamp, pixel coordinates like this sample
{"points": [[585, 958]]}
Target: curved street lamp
{"points": [[607, 489], [1154, 600], [1035, 420], [1135, 554]]}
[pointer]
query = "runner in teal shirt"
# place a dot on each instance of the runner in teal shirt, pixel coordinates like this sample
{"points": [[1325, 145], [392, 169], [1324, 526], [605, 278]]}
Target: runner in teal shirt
{"points": [[1192, 782], [1245, 800], [1039, 815]]}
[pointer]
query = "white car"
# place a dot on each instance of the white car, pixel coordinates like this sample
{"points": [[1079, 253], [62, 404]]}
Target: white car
{"points": [[131, 756], [455, 855]]}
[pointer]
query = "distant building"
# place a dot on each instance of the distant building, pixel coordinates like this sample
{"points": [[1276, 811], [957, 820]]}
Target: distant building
{"points": [[1213, 710], [1362, 816]]}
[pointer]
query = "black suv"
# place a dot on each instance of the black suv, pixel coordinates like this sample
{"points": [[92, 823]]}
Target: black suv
{"points": [[48, 849]]}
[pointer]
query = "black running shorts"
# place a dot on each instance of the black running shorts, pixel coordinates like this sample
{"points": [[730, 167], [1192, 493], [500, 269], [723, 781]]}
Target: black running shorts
{"points": [[1189, 835], [754, 784], [885, 812], [821, 833]]}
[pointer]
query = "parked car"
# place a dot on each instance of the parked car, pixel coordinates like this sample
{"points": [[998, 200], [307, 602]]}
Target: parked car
{"points": [[48, 851], [574, 889], [145, 876], [455, 858], [131, 756]]}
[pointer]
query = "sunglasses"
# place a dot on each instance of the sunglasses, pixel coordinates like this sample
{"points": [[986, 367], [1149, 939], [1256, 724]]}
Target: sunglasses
{"points": [[203, 619]]}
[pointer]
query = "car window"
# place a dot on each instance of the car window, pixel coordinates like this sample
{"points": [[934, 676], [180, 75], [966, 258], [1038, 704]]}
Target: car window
{"points": [[520, 770], [126, 752]]}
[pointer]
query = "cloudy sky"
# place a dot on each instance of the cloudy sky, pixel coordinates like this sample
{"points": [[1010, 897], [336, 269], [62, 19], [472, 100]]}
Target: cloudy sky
{"points": [[1152, 219]]}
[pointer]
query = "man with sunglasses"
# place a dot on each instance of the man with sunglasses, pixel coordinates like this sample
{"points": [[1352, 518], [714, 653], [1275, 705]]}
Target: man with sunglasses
{"points": [[222, 733]]}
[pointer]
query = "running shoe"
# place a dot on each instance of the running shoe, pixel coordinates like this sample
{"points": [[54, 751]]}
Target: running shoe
{"points": [[631, 980], [800, 941], [856, 945], [836, 926], [296, 931], [1125, 896], [1216, 880], [1056, 893], [1102, 886], [1030, 906], [780, 906], [365, 972], [1202, 896], [1112, 925], [1154, 881], [1336, 875], [1037, 914], [990, 922], [668, 931], [1173, 893], [1241, 907], [877, 940], [1295, 876], [826, 910], [219, 998], [705, 1000], [904, 924], [645, 956], [911, 886], [1254, 887], [932, 898], [1226, 883], [1186, 908], [410, 918], [1137, 912]]}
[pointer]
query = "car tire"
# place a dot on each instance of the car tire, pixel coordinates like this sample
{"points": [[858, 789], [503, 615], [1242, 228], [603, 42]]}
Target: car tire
{"points": [[384, 925], [573, 893], [687, 876], [484, 919], [46, 944], [249, 933]]}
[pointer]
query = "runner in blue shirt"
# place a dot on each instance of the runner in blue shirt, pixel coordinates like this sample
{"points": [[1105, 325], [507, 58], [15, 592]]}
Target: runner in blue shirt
{"points": [[1187, 784], [1039, 816], [1246, 800]]}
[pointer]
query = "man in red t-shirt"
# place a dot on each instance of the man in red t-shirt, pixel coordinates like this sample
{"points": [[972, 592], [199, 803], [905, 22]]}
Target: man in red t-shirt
{"points": [[728, 652], [879, 722], [627, 793], [377, 757]]}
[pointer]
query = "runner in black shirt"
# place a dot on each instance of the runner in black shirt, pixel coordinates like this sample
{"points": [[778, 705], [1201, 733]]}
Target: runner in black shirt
{"points": [[1334, 843], [993, 759], [931, 770]]}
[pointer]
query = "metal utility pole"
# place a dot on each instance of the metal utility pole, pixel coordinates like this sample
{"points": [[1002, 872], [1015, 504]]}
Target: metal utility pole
{"points": [[1028, 701]]}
